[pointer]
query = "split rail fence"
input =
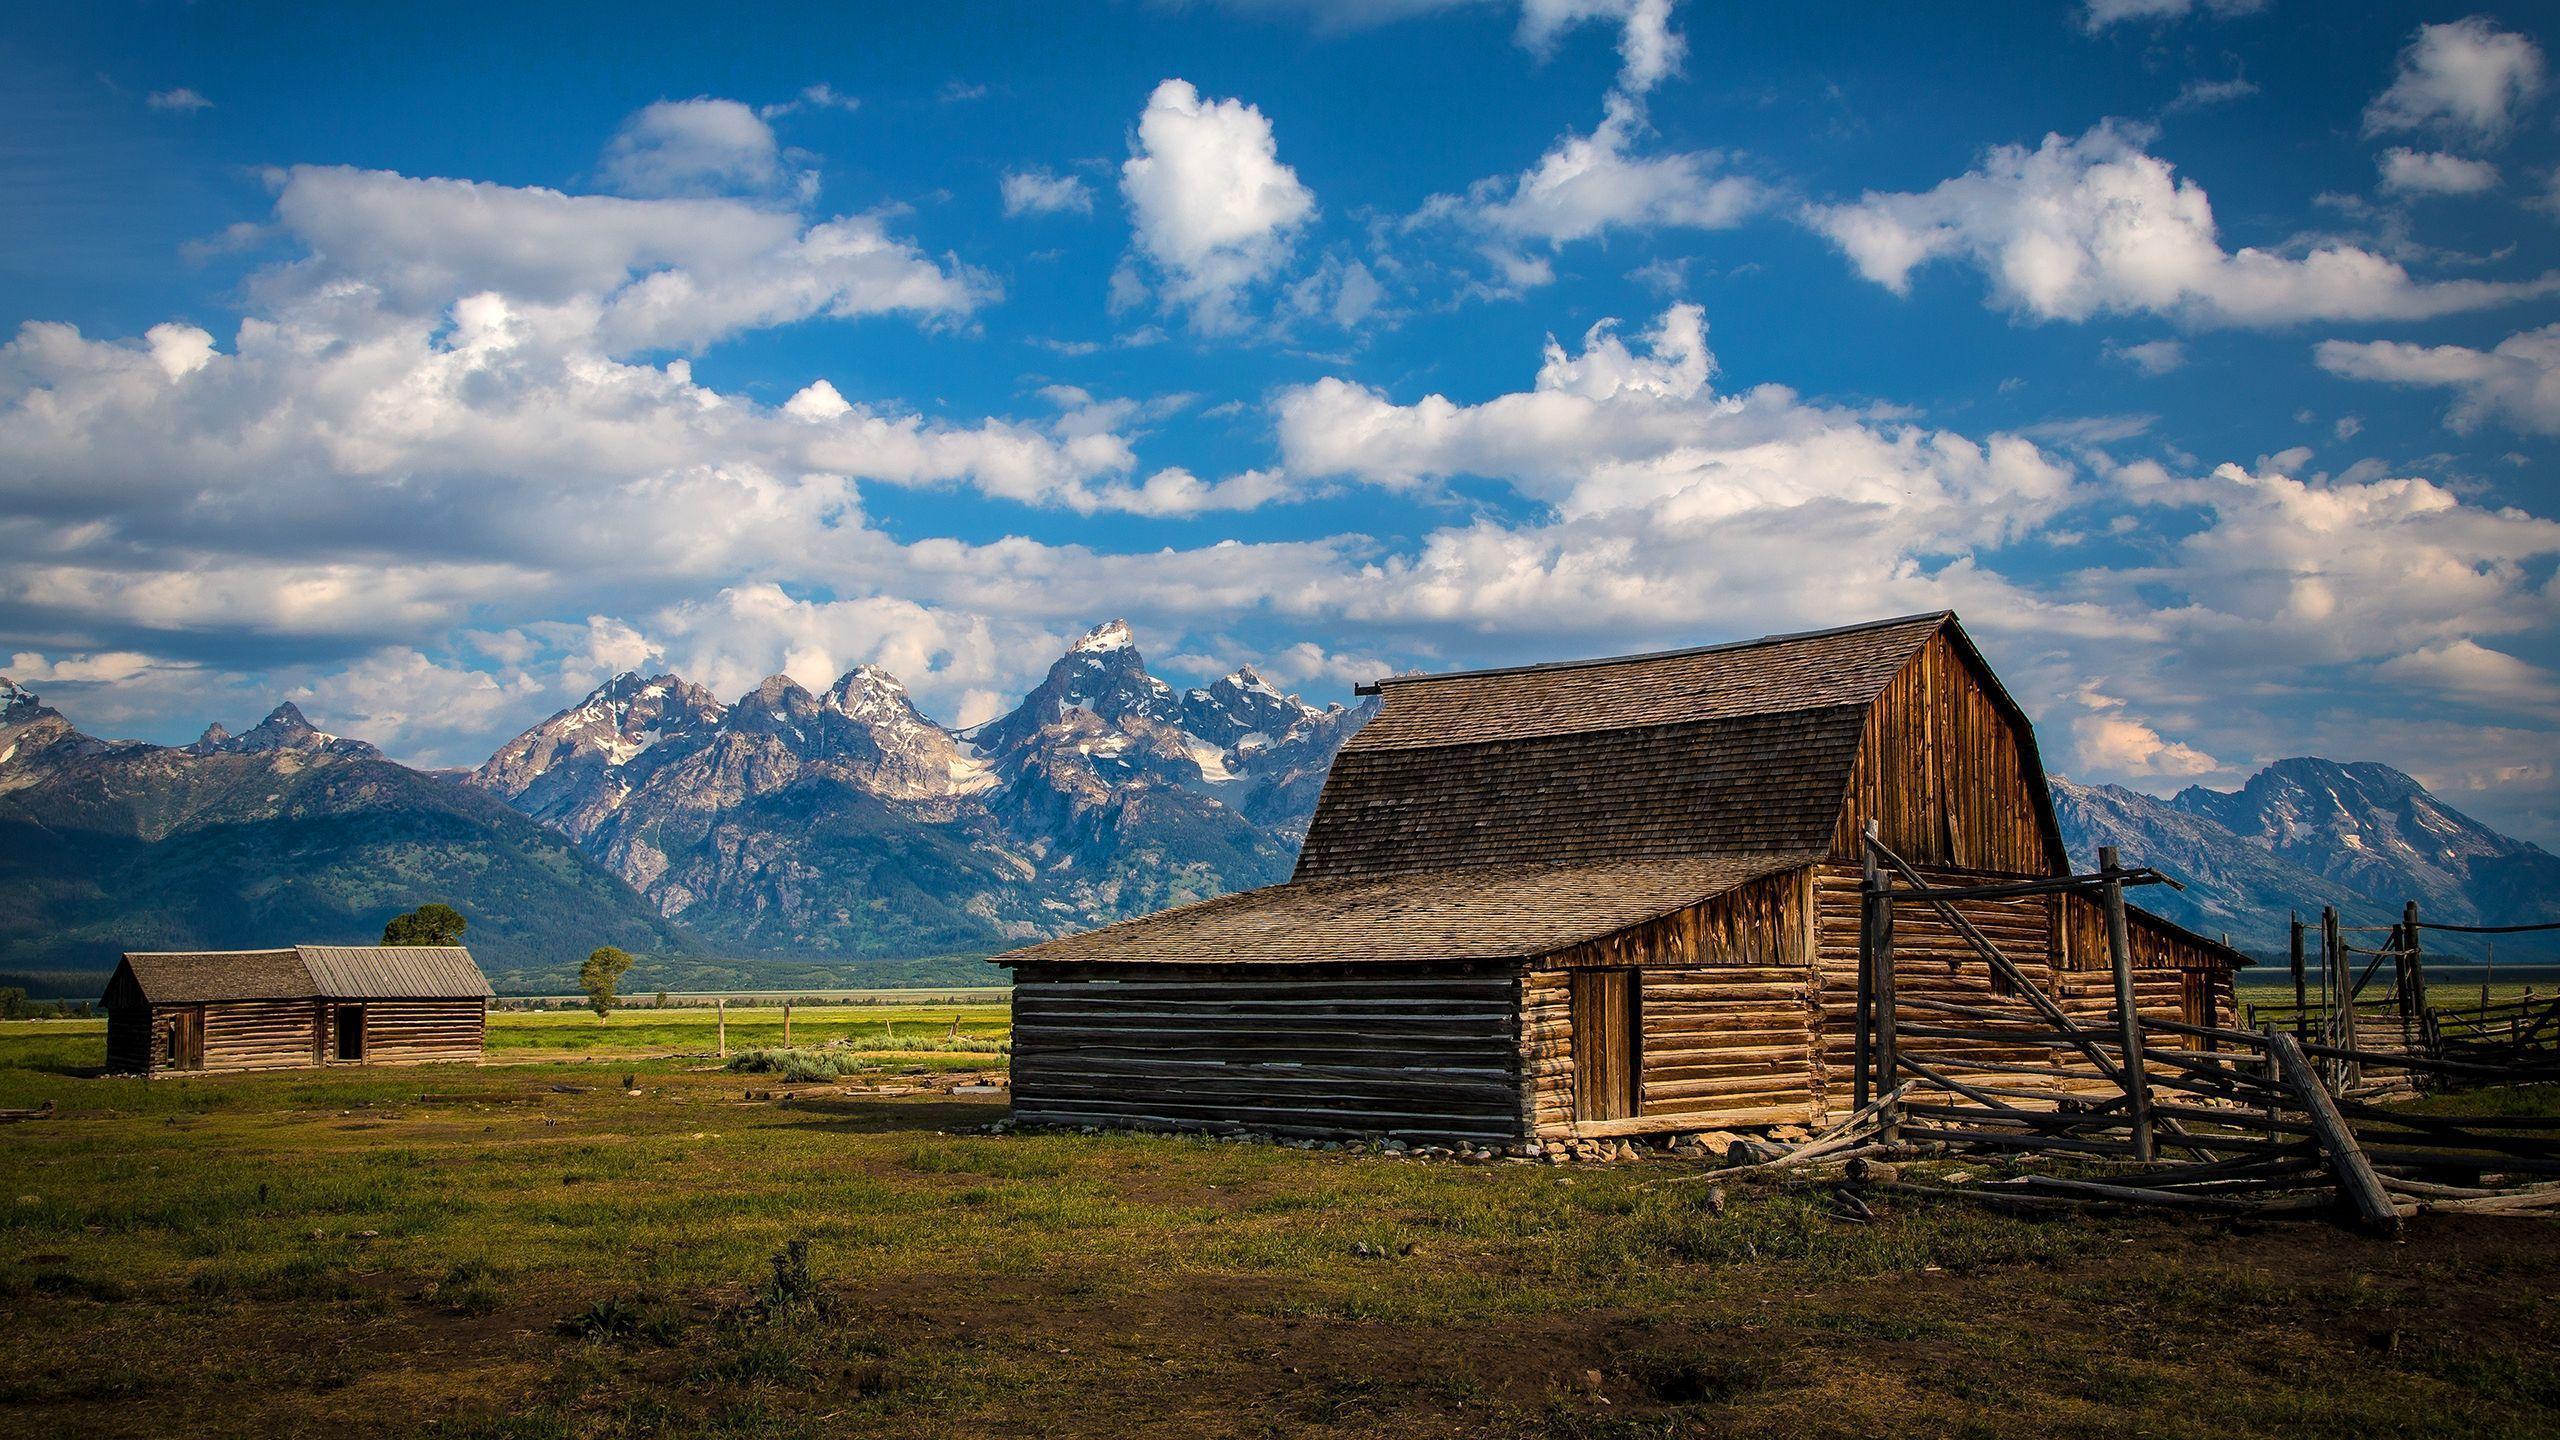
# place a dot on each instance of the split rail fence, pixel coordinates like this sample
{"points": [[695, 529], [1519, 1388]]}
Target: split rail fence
{"points": [[2274, 1117]]}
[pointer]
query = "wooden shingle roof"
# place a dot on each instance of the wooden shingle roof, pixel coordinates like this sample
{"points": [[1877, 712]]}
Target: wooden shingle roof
{"points": [[1817, 670], [1735, 749], [182, 977], [1483, 913]]}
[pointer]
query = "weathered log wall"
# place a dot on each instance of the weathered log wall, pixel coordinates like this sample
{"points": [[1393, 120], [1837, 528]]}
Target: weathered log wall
{"points": [[1946, 776], [260, 1034], [1424, 1056], [247, 1035], [1726, 995], [1723, 1045], [410, 1032]]}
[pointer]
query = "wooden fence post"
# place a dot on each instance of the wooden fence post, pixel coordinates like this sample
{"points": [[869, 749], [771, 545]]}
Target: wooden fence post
{"points": [[1887, 1064], [723, 1004], [2300, 1001], [786, 1024], [2342, 1028], [2137, 1081], [1862, 1086], [2417, 961]]}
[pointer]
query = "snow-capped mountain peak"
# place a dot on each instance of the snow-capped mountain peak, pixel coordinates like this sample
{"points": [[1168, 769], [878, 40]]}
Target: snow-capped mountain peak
{"points": [[1108, 636], [867, 692], [16, 700], [35, 739], [1242, 709]]}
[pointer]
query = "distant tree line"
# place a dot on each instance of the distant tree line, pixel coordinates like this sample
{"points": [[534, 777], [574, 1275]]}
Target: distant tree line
{"points": [[14, 1005]]}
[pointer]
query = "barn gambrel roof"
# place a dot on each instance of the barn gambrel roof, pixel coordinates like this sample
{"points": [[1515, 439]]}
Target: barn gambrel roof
{"points": [[1513, 812]]}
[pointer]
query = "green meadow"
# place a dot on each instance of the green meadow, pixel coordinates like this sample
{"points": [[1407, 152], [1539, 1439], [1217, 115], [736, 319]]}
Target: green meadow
{"points": [[527, 1249]]}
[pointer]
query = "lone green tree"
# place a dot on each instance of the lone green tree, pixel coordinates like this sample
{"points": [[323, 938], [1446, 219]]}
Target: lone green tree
{"points": [[430, 924], [604, 966]]}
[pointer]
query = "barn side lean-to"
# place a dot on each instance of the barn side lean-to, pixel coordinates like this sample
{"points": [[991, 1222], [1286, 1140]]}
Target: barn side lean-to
{"points": [[1599, 898], [174, 1012]]}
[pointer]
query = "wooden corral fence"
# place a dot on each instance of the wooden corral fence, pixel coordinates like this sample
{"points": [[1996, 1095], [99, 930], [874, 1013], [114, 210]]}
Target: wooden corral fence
{"points": [[2154, 1110], [2349, 1007]]}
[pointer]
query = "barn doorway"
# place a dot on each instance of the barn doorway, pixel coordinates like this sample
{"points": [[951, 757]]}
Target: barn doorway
{"points": [[351, 1032], [1606, 1045], [186, 1040]]}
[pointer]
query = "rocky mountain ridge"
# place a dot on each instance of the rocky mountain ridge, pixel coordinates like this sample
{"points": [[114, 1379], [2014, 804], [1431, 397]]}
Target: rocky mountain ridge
{"points": [[806, 827], [2306, 832], [277, 835], [848, 823]]}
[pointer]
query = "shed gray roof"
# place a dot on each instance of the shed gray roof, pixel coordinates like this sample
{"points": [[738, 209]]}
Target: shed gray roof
{"points": [[394, 972], [335, 972]]}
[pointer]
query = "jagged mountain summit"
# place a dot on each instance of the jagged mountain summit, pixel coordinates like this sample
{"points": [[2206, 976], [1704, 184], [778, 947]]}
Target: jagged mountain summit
{"points": [[286, 731], [2233, 887], [2378, 831], [34, 738], [2304, 833], [282, 833], [848, 823], [560, 770]]}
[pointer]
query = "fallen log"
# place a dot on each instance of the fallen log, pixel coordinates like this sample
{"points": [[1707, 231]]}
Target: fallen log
{"points": [[1838, 1138]]}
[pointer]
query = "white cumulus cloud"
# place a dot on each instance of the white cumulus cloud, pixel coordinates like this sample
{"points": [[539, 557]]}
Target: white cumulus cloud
{"points": [[2516, 382], [635, 274], [1037, 192], [2466, 78], [1212, 206], [2095, 224], [702, 146], [2105, 736], [2429, 172], [1649, 50], [1589, 184]]}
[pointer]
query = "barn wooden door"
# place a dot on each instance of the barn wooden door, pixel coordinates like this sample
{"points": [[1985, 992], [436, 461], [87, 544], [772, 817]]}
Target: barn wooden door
{"points": [[2196, 997], [1606, 1052], [186, 1040]]}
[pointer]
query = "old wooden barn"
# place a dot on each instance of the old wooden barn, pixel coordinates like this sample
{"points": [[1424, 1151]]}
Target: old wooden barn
{"points": [[1597, 898], [171, 1012]]}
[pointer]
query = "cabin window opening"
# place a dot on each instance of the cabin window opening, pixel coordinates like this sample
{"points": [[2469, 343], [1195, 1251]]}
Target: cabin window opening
{"points": [[351, 1032]]}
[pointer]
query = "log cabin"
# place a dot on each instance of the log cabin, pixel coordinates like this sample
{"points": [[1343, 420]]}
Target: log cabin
{"points": [[185, 1012], [1592, 899]]}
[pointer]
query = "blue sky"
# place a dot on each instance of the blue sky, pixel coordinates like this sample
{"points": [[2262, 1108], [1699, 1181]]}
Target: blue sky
{"points": [[427, 367]]}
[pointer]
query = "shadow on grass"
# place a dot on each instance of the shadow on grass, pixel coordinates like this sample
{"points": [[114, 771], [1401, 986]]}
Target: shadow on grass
{"points": [[864, 1115]]}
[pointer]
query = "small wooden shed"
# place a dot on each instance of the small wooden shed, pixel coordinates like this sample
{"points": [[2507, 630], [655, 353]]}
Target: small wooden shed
{"points": [[172, 1012], [1598, 898]]}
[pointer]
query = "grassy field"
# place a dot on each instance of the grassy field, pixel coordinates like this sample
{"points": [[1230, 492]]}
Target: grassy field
{"points": [[882, 1029], [524, 1250]]}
